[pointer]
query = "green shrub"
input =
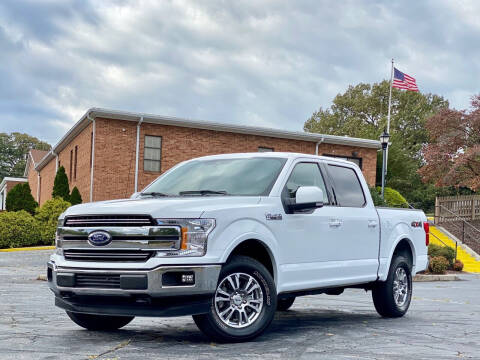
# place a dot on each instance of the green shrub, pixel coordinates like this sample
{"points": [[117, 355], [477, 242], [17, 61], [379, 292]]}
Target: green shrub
{"points": [[438, 265], [376, 197], [458, 265], [47, 216], [446, 251], [20, 198], [17, 229], [60, 185], [393, 198], [75, 197]]}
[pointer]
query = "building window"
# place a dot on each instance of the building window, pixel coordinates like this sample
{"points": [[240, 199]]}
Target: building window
{"points": [[355, 160], [265, 149], [71, 164], [152, 153], [75, 164]]}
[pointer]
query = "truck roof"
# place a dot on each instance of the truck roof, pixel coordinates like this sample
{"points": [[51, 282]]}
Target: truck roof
{"points": [[288, 155]]}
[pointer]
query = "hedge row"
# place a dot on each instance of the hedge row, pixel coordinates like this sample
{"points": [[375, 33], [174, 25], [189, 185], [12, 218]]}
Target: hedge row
{"points": [[19, 228]]}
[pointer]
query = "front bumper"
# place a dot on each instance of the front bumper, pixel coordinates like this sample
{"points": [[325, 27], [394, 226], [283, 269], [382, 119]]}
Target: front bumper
{"points": [[133, 292]]}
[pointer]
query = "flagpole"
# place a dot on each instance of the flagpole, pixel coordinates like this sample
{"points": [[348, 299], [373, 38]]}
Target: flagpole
{"points": [[388, 116]]}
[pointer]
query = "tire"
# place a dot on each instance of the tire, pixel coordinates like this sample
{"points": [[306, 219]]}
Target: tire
{"points": [[99, 322], [388, 301], [285, 304], [249, 306]]}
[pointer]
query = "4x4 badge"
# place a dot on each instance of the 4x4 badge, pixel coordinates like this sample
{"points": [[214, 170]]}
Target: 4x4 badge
{"points": [[273, 216]]}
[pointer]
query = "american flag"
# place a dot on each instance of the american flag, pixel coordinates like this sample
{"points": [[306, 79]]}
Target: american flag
{"points": [[403, 81]]}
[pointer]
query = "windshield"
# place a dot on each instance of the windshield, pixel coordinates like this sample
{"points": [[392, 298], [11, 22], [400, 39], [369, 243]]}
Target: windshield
{"points": [[240, 176]]}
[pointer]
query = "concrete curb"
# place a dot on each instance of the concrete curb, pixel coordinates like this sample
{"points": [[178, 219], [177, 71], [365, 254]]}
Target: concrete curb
{"points": [[447, 277], [32, 248]]}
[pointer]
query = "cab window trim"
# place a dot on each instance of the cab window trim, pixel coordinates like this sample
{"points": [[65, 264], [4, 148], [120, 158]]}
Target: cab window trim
{"points": [[333, 185], [322, 174]]}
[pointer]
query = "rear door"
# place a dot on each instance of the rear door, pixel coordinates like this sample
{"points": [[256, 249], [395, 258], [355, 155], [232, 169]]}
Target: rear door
{"points": [[356, 225]]}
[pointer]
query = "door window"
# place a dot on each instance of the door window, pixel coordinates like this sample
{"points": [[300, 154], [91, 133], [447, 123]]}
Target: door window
{"points": [[348, 190], [305, 174]]}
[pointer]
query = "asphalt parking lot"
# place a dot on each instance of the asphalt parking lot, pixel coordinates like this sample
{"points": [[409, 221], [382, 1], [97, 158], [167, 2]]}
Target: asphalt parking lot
{"points": [[442, 323]]}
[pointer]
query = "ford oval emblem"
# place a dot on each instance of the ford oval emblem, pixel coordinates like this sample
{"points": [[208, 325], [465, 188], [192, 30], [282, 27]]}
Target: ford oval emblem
{"points": [[99, 238]]}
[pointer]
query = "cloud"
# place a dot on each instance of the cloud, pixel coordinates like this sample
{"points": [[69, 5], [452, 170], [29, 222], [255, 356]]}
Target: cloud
{"points": [[265, 63]]}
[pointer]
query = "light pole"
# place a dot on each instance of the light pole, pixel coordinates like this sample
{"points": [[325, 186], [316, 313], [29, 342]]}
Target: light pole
{"points": [[384, 141]]}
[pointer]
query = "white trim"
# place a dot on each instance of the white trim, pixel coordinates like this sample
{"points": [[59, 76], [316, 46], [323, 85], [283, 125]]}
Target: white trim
{"points": [[93, 157], [207, 125], [4, 198], [137, 154], [3, 187]]}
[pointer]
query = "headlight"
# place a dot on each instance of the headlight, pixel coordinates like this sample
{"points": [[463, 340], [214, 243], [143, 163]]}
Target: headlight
{"points": [[194, 236]]}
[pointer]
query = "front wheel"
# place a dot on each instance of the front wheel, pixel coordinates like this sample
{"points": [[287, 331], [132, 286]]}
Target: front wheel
{"points": [[392, 298], [244, 303], [99, 322]]}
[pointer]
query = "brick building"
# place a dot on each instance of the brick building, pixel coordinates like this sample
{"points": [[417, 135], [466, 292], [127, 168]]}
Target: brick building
{"points": [[6, 185], [111, 154]]}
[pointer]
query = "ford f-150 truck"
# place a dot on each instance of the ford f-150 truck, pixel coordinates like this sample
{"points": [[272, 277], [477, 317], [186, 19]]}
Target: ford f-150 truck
{"points": [[232, 238]]}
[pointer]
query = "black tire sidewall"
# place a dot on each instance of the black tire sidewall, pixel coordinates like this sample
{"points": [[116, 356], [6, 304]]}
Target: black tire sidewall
{"points": [[386, 296], [253, 268], [99, 322], [401, 262]]}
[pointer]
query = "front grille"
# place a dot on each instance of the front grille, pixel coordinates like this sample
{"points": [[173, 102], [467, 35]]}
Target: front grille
{"points": [[109, 220], [107, 255], [104, 281]]}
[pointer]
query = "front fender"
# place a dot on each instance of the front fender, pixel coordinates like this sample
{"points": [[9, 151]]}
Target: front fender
{"points": [[245, 229]]}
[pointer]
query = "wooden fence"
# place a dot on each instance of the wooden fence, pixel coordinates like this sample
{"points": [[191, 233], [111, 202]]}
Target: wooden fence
{"points": [[455, 208]]}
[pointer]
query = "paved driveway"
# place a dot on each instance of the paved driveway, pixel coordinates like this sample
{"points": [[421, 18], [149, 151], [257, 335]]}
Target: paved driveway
{"points": [[443, 323]]}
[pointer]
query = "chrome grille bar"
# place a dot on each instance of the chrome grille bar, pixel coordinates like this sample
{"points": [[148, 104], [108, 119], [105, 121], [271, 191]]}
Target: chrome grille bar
{"points": [[108, 220], [102, 255]]}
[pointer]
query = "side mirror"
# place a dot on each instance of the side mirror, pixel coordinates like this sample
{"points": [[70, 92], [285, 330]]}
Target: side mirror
{"points": [[135, 195], [308, 197]]}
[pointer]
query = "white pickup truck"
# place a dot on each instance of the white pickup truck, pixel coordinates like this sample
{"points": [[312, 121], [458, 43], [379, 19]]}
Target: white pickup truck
{"points": [[232, 238]]}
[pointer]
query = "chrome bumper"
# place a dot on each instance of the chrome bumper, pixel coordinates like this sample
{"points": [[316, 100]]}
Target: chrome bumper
{"points": [[206, 279]]}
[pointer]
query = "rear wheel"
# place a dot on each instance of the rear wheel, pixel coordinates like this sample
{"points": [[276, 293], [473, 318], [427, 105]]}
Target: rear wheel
{"points": [[285, 304], [244, 303], [392, 297], [99, 322]]}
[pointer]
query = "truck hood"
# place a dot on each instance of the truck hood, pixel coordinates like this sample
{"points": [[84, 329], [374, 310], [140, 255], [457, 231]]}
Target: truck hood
{"points": [[169, 207]]}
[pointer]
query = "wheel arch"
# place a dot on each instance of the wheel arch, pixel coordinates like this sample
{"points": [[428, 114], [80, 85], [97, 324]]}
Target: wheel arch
{"points": [[403, 245], [258, 250]]}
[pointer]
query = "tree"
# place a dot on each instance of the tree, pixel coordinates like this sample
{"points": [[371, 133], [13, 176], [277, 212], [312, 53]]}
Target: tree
{"points": [[20, 198], [60, 185], [362, 112], [452, 157], [13, 150], [75, 197]]}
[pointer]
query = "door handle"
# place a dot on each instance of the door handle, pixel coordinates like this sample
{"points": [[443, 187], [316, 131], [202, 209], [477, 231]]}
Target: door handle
{"points": [[335, 223], [372, 223]]}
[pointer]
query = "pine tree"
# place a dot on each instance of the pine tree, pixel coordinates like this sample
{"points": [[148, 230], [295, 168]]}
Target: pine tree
{"points": [[75, 197], [20, 198], [60, 185]]}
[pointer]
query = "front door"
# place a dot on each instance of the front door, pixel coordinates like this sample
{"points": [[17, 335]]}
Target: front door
{"points": [[307, 243]]}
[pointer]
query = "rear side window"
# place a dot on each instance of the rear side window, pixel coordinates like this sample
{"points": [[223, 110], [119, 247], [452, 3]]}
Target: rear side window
{"points": [[348, 189]]}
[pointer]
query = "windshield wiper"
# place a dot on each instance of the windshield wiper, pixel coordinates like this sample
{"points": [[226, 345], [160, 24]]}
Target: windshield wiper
{"points": [[202, 192], [154, 194]]}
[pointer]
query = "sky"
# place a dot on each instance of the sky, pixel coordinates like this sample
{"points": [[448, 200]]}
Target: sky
{"points": [[255, 62]]}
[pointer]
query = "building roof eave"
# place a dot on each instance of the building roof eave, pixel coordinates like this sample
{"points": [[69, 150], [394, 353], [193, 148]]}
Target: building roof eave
{"points": [[207, 125]]}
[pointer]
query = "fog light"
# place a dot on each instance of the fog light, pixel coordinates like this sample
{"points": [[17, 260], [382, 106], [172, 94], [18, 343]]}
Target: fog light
{"points": [[188, 279], [178, 278]]}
